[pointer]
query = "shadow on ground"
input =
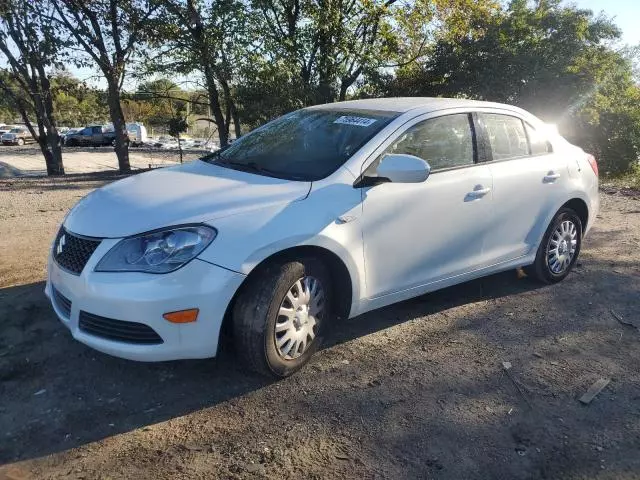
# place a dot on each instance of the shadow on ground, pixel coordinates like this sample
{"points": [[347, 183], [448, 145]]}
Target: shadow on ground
{"points": [[130, 394], [414, 404]]}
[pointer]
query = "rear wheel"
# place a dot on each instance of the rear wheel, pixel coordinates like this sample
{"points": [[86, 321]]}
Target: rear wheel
{"points": [[20, 142], [280, 315], [559, 249]]}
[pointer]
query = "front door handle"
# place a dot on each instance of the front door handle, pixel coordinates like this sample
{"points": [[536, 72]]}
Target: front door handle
{"points": [[477, 193], [551, 177]]}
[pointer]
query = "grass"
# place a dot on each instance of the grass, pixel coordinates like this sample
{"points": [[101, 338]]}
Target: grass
{"points": [[628, 180]]}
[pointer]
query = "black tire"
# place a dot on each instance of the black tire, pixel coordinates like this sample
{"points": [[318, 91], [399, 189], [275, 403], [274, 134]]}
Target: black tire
{"points": [[256, 312], [71, 142], [540, 269]]}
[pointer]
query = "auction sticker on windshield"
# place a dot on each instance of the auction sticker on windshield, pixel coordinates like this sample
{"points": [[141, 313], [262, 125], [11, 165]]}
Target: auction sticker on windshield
{"points": [[358, 121]]}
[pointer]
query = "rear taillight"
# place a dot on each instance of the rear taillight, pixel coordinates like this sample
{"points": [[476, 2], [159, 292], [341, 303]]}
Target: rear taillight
{"points": [[593, 163]]}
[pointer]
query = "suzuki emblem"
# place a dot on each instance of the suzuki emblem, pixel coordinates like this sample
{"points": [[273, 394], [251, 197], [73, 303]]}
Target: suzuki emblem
{"points": [[61, 244]]}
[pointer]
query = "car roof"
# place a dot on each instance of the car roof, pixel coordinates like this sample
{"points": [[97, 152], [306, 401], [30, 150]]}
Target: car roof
{"points": [[405, 104]]}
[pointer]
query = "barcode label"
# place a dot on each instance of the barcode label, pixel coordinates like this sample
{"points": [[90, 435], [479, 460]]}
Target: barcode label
{"points": [[357, 121]]}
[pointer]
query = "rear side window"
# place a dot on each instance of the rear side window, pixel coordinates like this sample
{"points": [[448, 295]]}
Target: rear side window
{"points": [[537, 141], [444, 142], [506, 136], [97, 129]]}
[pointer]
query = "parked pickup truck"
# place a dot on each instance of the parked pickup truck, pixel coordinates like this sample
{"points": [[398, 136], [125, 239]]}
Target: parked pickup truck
{"points": [[92, 136], [17, 136]]}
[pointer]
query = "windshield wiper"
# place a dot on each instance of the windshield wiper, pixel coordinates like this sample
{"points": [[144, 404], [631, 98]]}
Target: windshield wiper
{"points": [[212, 156], [260, 169], [253, 167], [273, 173]]}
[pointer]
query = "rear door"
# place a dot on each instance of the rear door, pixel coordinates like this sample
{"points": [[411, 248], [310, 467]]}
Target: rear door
{"points": [[26, 136], [528, 182]]}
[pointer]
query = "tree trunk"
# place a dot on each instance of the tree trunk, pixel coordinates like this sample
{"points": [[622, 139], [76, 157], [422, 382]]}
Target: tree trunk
{"points": [[343, 92], [236, 120], [347, 81], [53, 154], [231, 108], [216, 108], [54, 162], [53, 158], [119, 125], [207, 61], [326, 91]]}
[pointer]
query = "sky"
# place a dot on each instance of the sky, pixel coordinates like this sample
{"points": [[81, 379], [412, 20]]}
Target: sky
{"points": [[625, 13]]}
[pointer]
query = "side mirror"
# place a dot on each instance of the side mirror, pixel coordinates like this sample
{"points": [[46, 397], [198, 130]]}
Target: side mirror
{"points": [[402, 168]]}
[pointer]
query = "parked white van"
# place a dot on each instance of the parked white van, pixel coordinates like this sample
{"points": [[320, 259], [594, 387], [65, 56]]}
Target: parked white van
{"points": [[137, 133]]}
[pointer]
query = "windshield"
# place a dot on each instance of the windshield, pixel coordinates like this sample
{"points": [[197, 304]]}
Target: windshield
{"points": [[303, 145]]}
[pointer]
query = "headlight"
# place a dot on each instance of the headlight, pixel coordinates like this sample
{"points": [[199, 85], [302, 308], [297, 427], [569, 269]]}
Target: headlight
{"points": [[158, 252]]}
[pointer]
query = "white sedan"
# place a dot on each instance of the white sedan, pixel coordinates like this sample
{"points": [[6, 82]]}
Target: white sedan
{"points": [[323, 214]]}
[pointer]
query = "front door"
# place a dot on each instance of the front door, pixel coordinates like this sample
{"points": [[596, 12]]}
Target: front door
{"points": [[418, 233], [97, 138], [85, 136]]}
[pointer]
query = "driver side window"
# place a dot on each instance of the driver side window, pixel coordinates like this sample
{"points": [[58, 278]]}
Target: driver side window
{"points": [[444, 142]]}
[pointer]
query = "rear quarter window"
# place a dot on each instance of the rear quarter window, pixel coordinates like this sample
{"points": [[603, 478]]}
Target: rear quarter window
{"points": [[507, 136], [538, 141]]}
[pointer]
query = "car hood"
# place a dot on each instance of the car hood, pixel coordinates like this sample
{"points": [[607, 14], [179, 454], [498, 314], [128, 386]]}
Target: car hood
{"points": [[191, 193]]}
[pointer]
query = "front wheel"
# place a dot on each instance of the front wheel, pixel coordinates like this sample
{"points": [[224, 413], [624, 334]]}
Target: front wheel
{"points": [[279, 316], [559, 249]]}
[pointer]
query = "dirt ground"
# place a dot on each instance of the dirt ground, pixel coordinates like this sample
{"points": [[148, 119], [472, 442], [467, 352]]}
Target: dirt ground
{"points": [[27, 160], [416, 390]]}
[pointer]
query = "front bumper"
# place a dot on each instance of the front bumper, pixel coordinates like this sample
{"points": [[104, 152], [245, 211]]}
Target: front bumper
{"points": [[144, 298]]}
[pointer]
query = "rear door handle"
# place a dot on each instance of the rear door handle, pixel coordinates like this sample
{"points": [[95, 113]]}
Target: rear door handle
{"points": [[478, 192], [551, 177]]}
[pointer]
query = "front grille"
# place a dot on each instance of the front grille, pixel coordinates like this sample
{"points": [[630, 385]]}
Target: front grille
{"points": [[118, 330], [62, 302], [72, 252]]}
